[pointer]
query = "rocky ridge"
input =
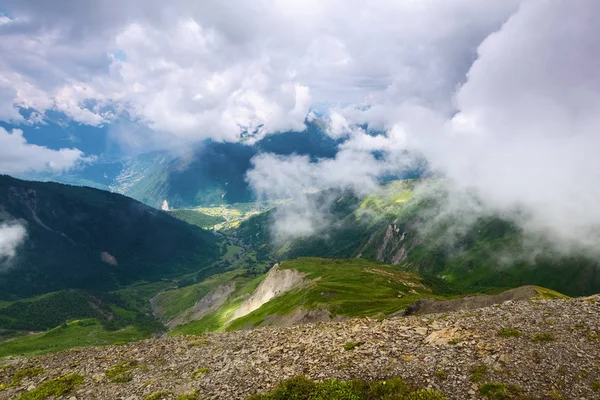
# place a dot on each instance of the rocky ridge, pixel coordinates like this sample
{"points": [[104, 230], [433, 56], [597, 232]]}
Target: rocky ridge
{"points": [[547, 349]]}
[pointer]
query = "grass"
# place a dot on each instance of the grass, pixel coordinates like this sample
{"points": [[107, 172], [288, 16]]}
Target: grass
{"points": [[199, 373], [500, 391], [174, 302], [77, 333], [54, 387], [188, 396], [441, 375], [122, 371], [158, 395], [121, 312], [351, 345], [232, 251], [543, 337], [509, 332], [231, 215], [478, 373], [350, 287], [21, 374], [301, 388], [143, 290], [196, 217], [548, 294], [216, 320]]}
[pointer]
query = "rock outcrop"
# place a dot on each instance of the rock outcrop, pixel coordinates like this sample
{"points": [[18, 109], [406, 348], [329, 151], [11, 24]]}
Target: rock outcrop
{"points": [[209, 303], [277, 282]]}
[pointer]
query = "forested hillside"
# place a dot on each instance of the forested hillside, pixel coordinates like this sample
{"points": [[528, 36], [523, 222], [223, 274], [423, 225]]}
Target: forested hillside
{"points": [[78, 237]]}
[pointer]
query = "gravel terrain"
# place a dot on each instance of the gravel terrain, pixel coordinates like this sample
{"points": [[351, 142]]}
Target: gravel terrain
{"points": [[549, 348]]}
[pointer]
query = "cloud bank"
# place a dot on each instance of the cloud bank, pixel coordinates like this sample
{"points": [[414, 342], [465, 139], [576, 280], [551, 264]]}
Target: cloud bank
{"points": [[523, 138], [191, 70]]}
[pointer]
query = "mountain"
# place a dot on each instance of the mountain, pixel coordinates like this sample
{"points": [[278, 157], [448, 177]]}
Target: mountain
{"points": [[395, 227], [85, 238]]}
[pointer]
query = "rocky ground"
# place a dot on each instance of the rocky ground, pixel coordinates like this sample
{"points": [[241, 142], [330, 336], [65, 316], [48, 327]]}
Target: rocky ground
{"points": [[550, 349]]}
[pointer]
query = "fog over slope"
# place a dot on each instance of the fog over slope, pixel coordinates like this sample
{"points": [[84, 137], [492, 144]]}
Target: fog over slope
{"points": [[523, 140]]}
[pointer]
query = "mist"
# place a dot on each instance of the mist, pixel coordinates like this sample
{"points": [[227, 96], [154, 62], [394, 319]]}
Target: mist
{"points": [[521, 142], [12, 235]]}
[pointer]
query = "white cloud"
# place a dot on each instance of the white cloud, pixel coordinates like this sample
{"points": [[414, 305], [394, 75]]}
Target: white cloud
{"points": [[529, 122], [192, 70], [18, 156], [12, 235], [527, 129], [297, 177]]}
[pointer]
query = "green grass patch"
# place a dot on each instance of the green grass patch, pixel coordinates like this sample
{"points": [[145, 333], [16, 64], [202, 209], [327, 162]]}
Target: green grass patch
{"points": [[121, 312], [216, 321], [4, 303], [158, 395], [199, 373], [232, 251], [196, 217], [188, 396], [23, 373], [143, 291], [543, 337], [548, 294], [350, 287], [122, 371], [441, 375], [500, 391], [54, 387], [79, 333], [301, 388], [351, 345], [478, 373], [509, 332]]}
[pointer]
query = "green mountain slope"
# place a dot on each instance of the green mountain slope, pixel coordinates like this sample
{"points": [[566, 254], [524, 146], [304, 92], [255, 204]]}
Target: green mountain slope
{"points": [[395, 227], [86, 238], [300, 290]]}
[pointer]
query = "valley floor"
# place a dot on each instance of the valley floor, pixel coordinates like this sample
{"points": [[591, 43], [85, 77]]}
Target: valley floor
{"points": [[543, 349]]}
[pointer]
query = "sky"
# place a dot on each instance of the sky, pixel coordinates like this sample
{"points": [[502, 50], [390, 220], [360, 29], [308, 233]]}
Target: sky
{"points": [[187, 70], [501, 97]]}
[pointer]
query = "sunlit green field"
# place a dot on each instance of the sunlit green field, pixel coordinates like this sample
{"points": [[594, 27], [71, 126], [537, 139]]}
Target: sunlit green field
{"points": [[349, 287], [87, 332]]}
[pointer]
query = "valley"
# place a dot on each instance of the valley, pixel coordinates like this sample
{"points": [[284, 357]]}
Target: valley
{"points": [[299, 200], [206, 296], [375, 264]]}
